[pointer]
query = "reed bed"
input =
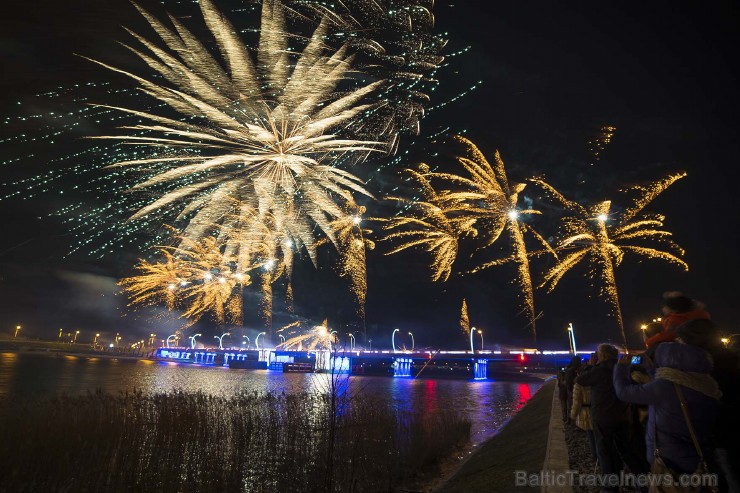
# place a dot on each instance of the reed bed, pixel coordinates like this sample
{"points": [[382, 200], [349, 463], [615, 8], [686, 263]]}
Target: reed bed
{"points": [[193, 442]]}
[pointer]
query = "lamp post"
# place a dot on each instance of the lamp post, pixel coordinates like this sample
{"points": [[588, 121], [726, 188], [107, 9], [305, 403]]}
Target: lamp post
{"points": [[393, 339], [572, 336], [412, 341], [17, 329], [481, 339], [173, 336], [351, 341], [643, 328], [282, 338], [60, 334], [221, 339], [257, 340], [472, 333], [248, 341], [95, 340], [118, 338], [192, 340], [74, 341], [152, 339], [334, 339]]}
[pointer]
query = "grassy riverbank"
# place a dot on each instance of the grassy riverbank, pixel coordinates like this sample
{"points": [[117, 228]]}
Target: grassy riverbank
{"points": [[181, 442], [520, 445]]}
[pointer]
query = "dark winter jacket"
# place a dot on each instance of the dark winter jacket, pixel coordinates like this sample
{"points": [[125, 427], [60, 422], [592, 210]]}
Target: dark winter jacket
{"points": [[664, 411], [606, 408]]}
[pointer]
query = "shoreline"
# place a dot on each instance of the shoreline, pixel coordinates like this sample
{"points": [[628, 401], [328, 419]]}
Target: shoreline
{"points": [[520, 444]]}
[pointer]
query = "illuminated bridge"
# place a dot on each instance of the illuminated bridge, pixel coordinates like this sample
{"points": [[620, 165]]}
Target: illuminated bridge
{"points": [[481, 365]]}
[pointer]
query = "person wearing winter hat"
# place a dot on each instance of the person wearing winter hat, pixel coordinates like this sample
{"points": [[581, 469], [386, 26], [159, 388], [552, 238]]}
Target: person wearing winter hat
{"points": [[677, 309], [683, 373], [699, 332]]}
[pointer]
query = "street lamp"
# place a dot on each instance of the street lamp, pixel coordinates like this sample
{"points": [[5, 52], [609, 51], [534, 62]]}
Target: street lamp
{"points": [[472, 333], [221, 339], [192, 340], [173, 336], [572, 337], [118, 338], [60, 334], [481, 339], [393, 339], [643, 328], [257, 340], [77, 332], [335, 339], [282, 338], [95, 340], [727, 339], [351, 341], [248, 342], [412, 341], [17, 329]]}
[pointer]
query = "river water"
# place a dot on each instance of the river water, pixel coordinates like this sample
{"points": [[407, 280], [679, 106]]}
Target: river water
{"points": [[487, 404]]}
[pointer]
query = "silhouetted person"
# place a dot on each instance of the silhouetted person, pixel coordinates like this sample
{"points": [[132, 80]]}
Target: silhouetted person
{"points": [[610, 417], [571, 371], [580, 412], [677, 309], [563, 394], [704, 333], [688, 367]]}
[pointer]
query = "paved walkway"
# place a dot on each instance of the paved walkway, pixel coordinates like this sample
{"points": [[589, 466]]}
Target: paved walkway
{"points": [[556, 455]]}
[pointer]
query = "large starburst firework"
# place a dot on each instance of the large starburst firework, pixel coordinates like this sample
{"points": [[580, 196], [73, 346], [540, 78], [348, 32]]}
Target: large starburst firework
{"points": [[601, 237], [266, 133]]}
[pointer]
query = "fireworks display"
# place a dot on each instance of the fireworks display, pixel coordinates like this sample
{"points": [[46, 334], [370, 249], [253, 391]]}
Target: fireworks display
{"points": [[480, 204], [260, 133], [394, 41], [319, 337], [599, 237], [195, 277], [464, 318], [246, 157]]}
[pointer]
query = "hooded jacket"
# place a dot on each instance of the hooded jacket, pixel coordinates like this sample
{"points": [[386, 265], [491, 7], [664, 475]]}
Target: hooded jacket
{"points": [[689, 365]]}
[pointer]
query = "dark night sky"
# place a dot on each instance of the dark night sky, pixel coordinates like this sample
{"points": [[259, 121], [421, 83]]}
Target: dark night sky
{"points": [[553, 72]]}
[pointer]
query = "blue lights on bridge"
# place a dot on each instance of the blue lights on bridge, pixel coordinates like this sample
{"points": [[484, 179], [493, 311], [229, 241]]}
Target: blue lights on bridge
{"points": [[402, 367], [483, 365]]}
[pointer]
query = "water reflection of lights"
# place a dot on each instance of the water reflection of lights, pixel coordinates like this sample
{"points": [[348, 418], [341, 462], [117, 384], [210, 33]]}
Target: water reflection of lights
{"points": [[487, 404]]}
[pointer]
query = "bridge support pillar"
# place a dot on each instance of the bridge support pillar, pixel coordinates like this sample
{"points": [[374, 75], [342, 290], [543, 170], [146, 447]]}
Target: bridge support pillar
{"points": [[402, 367], [480, 370]]}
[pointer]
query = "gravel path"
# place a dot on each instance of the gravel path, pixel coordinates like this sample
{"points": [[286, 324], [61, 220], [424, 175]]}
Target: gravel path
{"points": [[579, 455]]}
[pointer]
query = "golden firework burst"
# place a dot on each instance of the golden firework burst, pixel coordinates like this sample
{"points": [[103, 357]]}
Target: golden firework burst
{"points": [[601, 237], [264, 132]]}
